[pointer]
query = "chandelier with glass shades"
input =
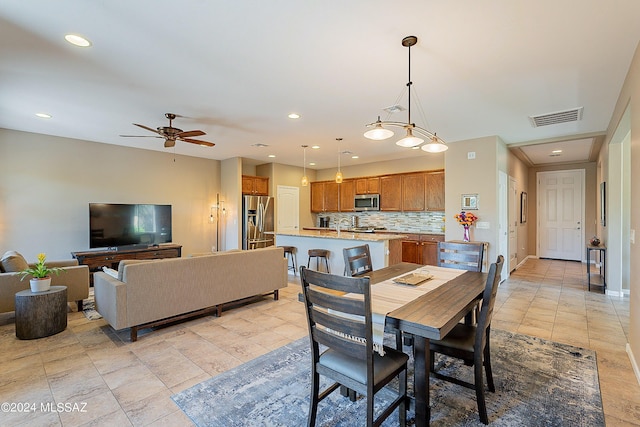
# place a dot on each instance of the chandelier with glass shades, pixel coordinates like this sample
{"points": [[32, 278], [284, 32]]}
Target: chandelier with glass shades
{"points": [[414, 134]]}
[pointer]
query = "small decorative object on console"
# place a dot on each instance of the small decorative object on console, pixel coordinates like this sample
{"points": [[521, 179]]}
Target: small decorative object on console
{"points": [[466, 219], [595, 241], [41, 279]]}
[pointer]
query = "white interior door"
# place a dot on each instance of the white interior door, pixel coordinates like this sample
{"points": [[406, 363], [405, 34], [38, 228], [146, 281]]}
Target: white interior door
{"points": [[288, 209], [503, 220], [560, 214], [513, 224]]}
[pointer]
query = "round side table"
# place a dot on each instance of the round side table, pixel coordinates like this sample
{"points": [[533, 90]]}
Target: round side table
{"points": [[41, 314]]}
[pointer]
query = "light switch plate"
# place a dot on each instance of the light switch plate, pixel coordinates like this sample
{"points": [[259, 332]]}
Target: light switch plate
{"points": [[632, 237], [471, 155], [483, 225]]}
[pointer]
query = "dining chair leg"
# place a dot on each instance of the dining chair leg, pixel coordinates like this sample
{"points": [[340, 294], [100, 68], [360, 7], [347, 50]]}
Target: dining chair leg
{"points": [[313, 402], [479, 385], [487, 366], [402, 390]]}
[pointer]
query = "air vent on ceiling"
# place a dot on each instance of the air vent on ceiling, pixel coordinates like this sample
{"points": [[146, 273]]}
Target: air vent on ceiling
{"points": [[565, 116], [394, 109]]}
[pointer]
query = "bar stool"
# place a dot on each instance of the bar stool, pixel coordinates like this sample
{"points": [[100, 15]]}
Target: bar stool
{"points": [[289, 253], [317, 254]]}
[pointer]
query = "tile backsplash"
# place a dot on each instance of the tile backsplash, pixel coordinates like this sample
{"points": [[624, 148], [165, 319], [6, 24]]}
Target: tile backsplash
{"points": [[415, 222]]}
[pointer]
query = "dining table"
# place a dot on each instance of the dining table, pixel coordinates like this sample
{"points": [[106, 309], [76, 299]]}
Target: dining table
{"points": [[429, 316]]}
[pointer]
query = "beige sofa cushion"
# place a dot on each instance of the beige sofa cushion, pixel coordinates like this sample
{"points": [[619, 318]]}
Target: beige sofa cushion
{"points": [[12, 262]]}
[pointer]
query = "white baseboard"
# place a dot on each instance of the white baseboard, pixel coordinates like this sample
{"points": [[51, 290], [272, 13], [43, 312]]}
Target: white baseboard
{"points": [[521, 263], [618, 294], [634, 365]]}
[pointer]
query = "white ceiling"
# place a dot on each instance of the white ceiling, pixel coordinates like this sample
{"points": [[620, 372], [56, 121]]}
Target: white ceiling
{"points": [[236, 69]]}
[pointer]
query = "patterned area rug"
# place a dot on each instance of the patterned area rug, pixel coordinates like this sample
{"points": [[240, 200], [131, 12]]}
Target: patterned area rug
{"points": [[538, 383], [89, 307]]}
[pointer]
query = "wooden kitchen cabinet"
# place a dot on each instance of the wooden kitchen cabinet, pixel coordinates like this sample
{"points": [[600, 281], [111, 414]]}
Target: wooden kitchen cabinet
{"points": [[255, 185], [347, 195], [368, 185], [324, 196], [414, 192], [391, 193], [421, 248], [435, 191]]}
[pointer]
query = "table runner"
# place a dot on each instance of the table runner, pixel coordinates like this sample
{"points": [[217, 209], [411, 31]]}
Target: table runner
{"points": [[387, 296]]}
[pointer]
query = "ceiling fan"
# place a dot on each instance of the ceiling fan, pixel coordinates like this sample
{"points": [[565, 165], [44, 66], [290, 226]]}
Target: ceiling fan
{"points": [[171, 134]]}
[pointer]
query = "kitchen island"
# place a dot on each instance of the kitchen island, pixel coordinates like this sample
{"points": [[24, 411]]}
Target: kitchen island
{"points": [[335, 242]]}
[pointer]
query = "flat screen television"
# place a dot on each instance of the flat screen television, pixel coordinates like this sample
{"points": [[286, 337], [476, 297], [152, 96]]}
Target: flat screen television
{"points": [[116, 225]]}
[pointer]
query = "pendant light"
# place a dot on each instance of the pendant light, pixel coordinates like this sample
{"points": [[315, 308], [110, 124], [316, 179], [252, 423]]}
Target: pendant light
{"points": [[339, 173], [414, 134], [305, 180]]}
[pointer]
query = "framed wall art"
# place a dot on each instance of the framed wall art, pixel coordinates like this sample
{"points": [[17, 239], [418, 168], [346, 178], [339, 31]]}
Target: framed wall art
{"points": [[523, 207], [469, 202]]}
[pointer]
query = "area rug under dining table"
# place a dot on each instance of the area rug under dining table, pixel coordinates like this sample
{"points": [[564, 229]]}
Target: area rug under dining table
{"points": [[538, 383]]}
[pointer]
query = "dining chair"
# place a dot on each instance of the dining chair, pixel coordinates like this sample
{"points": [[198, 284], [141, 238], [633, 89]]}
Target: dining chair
{"points": [[471, 343], [463, 256], [343, 324], [357, 260]]}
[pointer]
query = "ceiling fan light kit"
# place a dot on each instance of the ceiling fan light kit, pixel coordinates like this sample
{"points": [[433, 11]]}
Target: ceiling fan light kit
{"points": [[379, 129]]}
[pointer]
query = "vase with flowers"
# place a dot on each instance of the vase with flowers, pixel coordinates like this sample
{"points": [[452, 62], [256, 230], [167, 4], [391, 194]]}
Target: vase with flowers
{"points": [[466, 219], [40, 274]]}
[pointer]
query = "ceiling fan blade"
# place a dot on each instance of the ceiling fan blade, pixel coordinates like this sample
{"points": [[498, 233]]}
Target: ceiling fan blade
{"points": [[190, 133], [147, 128], [169, 143], [140, 136], [197, 141]]}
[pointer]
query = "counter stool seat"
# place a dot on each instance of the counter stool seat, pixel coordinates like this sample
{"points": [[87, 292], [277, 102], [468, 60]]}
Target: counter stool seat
{"points": [[317, 254], [289, 253]]}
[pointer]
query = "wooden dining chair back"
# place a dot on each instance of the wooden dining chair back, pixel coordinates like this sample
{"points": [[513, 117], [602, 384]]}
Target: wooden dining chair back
{"points": [[357, 260], [471, 343], [463, 256], [338, 313]]}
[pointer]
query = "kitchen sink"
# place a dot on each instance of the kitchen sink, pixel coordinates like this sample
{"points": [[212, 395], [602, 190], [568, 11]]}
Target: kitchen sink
{"points": [[366, 229]]}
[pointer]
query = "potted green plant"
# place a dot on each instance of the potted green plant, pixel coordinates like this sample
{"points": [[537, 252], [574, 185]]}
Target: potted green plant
{"points": [[41, 274]]}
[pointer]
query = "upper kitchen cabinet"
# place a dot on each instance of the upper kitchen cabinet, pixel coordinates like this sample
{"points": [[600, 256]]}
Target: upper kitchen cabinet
{"points": [[414, 192], [391, 193], [347, 195], [368, 185], [435, 191], [324, 196], [255, 185]]}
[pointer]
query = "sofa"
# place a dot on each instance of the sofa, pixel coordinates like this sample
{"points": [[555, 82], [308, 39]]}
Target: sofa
{"points": [[147, 293], [75, 277]]}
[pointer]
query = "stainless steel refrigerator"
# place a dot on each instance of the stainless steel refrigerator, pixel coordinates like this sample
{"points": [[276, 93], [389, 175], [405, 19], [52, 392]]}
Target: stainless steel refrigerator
{"points": [[257, 224]]}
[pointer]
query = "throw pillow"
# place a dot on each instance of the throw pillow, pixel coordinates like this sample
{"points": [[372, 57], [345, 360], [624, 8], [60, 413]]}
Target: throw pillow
{"points": [[13, 261], [111, 272]]}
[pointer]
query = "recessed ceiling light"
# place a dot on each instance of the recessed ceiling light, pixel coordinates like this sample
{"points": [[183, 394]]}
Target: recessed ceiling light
{"points": [[294, 116], [259, 145], [556, 151], [355, 157], [315, 147], [77, 40], [417, 147], [272, 155], [312, 163], [43, 115]]}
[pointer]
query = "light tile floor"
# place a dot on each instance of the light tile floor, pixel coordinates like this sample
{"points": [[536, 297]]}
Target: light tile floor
{"points": [[105, 380]]}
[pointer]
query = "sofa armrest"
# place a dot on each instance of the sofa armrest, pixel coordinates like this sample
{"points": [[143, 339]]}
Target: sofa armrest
{"points": [[76, 279], [60, 263], [111, 299]]}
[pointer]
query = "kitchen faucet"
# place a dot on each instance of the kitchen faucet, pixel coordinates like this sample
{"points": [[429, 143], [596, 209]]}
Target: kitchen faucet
{"points": [[340, 222]]}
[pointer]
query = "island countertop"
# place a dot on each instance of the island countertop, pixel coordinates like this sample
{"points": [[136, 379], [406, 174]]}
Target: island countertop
{"points": [[343, 235]]}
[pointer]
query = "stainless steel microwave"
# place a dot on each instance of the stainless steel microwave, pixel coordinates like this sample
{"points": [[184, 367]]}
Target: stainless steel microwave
{"points": [[367, 202]]}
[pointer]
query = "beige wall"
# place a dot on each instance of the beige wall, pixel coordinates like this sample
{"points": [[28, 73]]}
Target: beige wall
{"points": [[421, 162], [630, 97], [478, 176], [47, 183], [520, 172]]}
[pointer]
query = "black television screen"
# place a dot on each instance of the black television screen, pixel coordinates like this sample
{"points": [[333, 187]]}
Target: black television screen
{"points": [[112, 225]]}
